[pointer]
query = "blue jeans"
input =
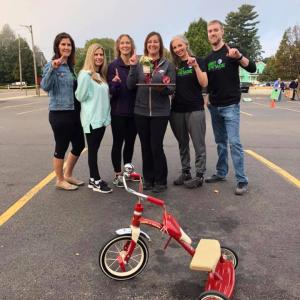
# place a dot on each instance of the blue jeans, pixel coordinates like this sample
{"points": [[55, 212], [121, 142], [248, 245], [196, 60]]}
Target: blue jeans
{"points": [[226, 127]]}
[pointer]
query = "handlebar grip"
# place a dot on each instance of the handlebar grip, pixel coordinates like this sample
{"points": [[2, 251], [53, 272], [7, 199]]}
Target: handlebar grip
{"points": [[155, 201], [135, 176]]}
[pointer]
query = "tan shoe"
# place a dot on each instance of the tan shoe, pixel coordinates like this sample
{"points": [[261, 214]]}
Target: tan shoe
{"points": [[64, 185], [74, 181]]}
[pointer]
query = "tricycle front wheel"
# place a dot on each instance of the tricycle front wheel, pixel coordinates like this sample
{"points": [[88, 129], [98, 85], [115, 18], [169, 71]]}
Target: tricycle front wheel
{"points": [[114, 248], [212, 295]]}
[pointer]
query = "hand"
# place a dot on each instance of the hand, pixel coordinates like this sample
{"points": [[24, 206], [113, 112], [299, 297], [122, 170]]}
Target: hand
{"points": [[192, 62], [166, 79], [233, 52], [133, 60], [117, 77], [58, 62]]}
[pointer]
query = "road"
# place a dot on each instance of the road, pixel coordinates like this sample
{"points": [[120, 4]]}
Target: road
{"points": [[50, 239]]}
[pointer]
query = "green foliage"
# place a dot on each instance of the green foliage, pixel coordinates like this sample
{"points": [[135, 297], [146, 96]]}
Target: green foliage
{"points": [[108, 45], [286, 62], [9, 58], [197, 37], [241, 31]]}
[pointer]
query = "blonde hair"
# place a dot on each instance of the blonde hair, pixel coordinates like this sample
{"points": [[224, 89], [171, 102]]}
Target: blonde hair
{"points": [[176, 60], [89, 64], [117, 45]]}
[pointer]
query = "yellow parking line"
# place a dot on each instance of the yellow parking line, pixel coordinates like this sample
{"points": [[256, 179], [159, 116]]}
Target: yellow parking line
{"points": [[275, 168], [26, 198], [12, 210]]}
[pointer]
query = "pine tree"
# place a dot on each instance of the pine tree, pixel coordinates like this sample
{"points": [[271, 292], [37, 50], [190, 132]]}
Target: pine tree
{"points": [[197, 37], [241, 31]]}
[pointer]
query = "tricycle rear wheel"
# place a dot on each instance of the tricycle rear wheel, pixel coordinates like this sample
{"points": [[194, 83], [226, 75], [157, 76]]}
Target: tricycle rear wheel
{"points": [[212, 295]]}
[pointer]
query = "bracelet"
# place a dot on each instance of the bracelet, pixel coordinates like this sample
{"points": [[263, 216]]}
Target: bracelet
{"points": [[240, 57]]}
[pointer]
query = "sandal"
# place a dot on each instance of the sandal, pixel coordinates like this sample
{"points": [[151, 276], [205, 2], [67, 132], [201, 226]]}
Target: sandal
{"points": [[64, 185], [74, 181]]}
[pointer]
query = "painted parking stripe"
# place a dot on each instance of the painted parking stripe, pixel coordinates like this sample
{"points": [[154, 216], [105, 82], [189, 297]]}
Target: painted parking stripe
{"points": [[275, 168], [283, 108], [17, 97], [12, 210], [30, 111], [247, 114], [20, 105]]}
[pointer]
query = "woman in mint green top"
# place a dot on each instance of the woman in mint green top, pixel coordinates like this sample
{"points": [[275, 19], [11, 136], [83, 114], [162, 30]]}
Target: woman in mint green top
{"points": [[93, 93]]}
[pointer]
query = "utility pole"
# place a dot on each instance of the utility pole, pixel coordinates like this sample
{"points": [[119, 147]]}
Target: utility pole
{"points": [[37, 91], [20, 64]]}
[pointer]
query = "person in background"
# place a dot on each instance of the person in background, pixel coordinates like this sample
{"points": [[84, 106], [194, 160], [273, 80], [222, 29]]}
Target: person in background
{"points": [[60, 82], [276, 93], [187, 113], [224, 104], [122, 106], [293, 85], [152, 109], [93, 93]]}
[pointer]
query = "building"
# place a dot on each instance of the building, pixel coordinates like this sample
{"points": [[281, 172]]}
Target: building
{"points": [[252, 77]]}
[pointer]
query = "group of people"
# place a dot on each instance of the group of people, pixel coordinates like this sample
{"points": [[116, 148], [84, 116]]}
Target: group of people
{"points": [[139, 97]]}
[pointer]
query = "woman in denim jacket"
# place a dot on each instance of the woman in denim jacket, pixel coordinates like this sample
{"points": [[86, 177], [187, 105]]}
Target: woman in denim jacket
{"points": [[59, 81]]}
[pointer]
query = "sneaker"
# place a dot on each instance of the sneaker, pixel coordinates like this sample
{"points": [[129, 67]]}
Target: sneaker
{"points": [[182, 178], [241, 188], [101, 187], [92, 183], [159, 188], [194, 182], [118, 181], [214, 178]]}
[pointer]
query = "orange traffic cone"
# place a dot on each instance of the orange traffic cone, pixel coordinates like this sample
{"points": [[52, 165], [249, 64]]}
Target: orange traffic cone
{"points": [[272, 104]]}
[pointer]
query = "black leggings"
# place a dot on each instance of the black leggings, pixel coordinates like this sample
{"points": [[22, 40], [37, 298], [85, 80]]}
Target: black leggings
{"points": [[67, 128], [151, 131], [93, 140], [123, 130]]}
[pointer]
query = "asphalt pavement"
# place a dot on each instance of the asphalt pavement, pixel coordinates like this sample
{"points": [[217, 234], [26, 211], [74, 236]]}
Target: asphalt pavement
{"points": [[49, 245]]}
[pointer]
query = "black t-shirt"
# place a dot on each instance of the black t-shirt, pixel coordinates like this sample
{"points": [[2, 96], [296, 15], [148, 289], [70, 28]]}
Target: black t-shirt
{"points": [[188, 95], [223, 78]]}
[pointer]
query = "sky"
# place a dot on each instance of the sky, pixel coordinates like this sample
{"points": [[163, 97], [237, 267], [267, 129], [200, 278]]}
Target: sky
{"points": [[87, 19]]}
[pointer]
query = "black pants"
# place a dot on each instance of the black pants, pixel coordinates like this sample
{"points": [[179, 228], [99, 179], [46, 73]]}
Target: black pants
{"points": [[124, 132], [151, 131], [67, 129], [93, 140]]}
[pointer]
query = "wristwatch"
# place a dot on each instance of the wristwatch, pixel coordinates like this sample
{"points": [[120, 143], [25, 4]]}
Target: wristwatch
{"points": [[240, 57]]}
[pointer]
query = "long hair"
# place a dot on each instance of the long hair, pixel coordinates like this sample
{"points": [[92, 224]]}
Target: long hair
{"points": [[89, 64], [117, 45], [161, 48], [175, 58], [57, 40]]}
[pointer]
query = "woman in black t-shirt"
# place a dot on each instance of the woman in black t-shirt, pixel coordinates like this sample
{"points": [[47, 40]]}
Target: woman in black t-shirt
{"points": [[187, 113]]}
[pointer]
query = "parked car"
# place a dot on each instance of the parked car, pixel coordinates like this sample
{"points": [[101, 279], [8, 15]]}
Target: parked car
{"points": [[244, 87], [17, 85]]}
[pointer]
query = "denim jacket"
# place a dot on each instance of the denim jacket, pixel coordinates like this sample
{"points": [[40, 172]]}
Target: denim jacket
{"points": [[59, 83]]}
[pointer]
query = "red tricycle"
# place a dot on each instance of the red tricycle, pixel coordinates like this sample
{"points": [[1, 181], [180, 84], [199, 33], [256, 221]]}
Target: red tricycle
{"points": [[126, 255]]}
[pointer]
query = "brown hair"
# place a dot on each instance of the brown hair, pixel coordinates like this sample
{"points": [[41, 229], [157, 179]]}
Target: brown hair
{"points": [[161, 44], [215, 22], [57, 40], [117, 45]]}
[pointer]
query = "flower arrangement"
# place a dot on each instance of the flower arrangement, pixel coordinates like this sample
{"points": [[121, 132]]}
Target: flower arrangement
{"points": [[147, 64]]}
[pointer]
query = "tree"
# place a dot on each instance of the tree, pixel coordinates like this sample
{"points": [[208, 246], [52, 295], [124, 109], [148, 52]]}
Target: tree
{"points": [[241, 31], [9, 58], [286, 62], [197, 37]]}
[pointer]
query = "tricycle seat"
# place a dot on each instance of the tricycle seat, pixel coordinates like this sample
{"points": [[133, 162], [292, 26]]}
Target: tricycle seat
{"points": [[207, 255]]}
